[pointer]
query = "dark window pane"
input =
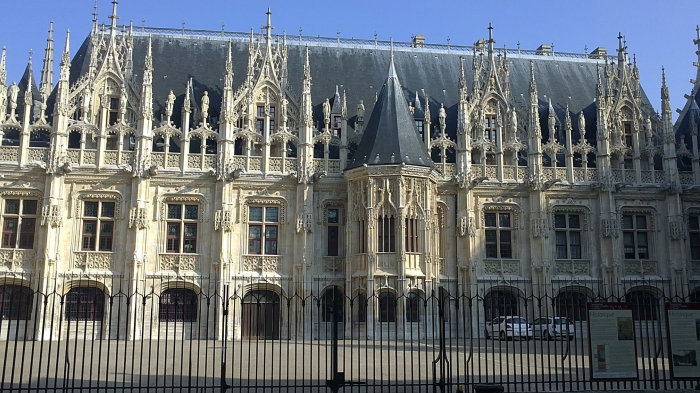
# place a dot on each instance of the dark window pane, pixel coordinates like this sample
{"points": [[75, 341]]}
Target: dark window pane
{"points": [[490, 219], [12, 206], [574, 221], [641, 222], [627, 222], [271, 214], [90, 209], [190, 230], [561, 252], [108, 209], [332, 216], [90, 227], [490, 236], [504, 220], [175, 212], [255, 213], [29, 207], [561, 238], [560, 221], [191, 212], [693, 223]]}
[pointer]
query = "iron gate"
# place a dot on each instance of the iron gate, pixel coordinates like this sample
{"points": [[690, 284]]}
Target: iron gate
{"points": [[199, 336]]}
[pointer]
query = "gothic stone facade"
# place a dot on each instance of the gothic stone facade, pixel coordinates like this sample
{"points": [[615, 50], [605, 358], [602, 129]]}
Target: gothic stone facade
{"points": [[173, 159]]}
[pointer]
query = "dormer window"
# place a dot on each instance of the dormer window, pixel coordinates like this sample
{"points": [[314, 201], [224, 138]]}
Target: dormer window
{"points": [[113, 110], [272, 120], [260, 119], [490, 128], [419, 126], [628, 134], [337, 125]]}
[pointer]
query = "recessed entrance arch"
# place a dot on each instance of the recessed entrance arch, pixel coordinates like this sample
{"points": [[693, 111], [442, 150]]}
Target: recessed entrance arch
{"points": [[501, 302], [261, 315]]}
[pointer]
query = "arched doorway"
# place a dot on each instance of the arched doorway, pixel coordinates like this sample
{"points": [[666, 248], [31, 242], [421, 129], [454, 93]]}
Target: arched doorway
{"points": [[500, 302], [261, 315], [571, 303], [85, 304], [178, 305], [645, 303], [332, 297]]}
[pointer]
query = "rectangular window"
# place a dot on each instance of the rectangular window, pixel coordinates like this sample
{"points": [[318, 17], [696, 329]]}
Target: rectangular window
{"points": [[498, 235], [181, 228], [694, 229], [386, 234], [333, 231], [419, 127], [568, 236], [262, 230], [628, 134], [113, 110], [361, 238], [98, 226], [490, 128], [635, 236], [19, 223], [337, 125], [411, 235], [260, 119]]}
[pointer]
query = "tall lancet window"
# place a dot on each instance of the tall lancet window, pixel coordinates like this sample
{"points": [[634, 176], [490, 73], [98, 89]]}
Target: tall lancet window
{"points": [[386, 234]]}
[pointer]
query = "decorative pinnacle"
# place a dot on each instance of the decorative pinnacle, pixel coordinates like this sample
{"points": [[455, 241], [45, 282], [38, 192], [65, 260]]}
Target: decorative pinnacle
{"points": [[268, 27], [490, 32], [114, 16]]}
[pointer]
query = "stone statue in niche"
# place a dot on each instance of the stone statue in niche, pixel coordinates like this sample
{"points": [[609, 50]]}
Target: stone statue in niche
{"points": [[169, 104], [205, 105], [582, 125], [123, 100], [13, 91], [360, 112], [514, 122], [326, 111], [284, 107], [87, 94], [442, 115]]}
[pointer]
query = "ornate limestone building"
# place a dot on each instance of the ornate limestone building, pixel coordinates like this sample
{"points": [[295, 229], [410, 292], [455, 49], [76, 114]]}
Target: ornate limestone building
{"points": [[173, 163]]}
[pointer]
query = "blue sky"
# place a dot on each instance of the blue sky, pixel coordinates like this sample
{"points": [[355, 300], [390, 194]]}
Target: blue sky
{"points": [[661, 33]]}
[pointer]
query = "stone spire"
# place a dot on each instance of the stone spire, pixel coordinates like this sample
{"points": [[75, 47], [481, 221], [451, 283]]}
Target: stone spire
{"points": [[3, 85], [63, 89], [47, 71], [535, 131], [227, 98], [146, 89], [113, 17], [3, 69], [391, 137], [306, 106]]}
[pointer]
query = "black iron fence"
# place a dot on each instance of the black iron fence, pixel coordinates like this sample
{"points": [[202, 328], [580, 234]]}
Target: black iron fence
{"points": [[112, 334]]}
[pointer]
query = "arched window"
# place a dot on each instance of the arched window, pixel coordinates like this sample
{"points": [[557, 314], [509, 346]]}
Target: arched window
{"points": [[15, 302], [500, 302], [572, 304], [178, 305], [387, 307], [85, 304], [413, 303], [332, 297], [645, 304]]}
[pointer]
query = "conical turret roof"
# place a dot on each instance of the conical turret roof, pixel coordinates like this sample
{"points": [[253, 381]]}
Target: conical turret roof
{"points": [[390, 136]]}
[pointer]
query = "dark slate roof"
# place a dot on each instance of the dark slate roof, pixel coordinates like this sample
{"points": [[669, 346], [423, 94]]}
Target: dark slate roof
{"points": [[390, 136], [691, 112], [360, 72], [23, 83]]}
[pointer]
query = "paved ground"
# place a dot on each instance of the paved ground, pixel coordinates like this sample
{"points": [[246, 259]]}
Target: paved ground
{"points": [[266, 366]]}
